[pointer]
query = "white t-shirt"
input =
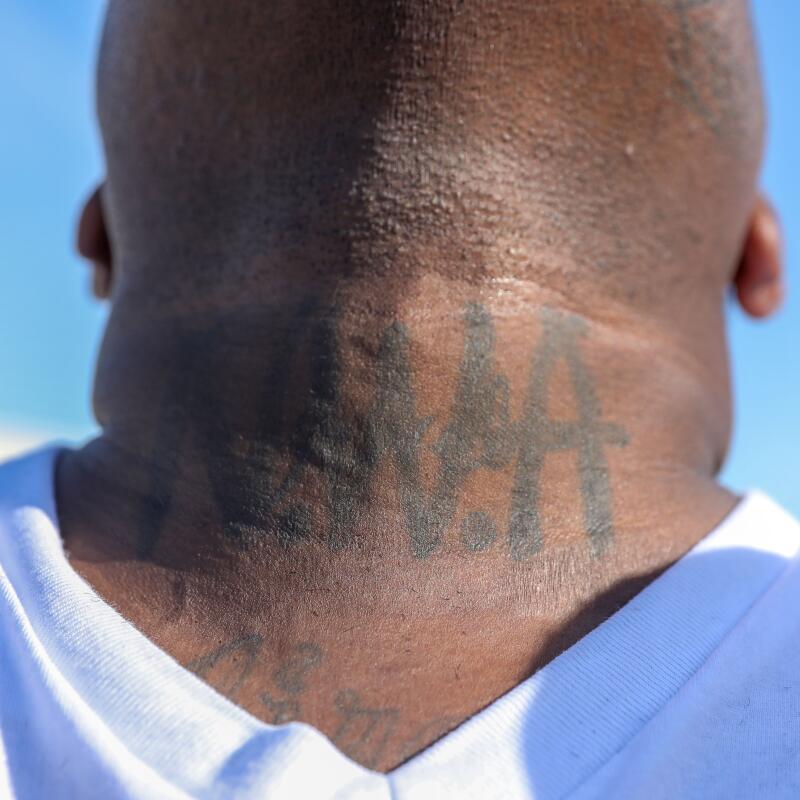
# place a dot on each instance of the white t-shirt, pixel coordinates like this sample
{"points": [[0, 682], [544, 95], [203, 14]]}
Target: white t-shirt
{"points": [[692, 690]]}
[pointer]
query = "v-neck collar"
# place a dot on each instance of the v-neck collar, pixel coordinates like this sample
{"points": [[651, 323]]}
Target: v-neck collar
{"points": [[543, 739]]}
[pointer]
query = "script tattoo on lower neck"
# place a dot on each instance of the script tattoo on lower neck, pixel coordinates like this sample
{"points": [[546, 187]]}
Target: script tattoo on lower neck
{"points": [[290, 678], [364, 731], [479, 435], [238, 657], [361, 729]]}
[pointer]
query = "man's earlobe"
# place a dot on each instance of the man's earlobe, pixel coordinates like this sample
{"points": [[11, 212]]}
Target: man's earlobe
{"points": [[94, 244], [759, 279]]}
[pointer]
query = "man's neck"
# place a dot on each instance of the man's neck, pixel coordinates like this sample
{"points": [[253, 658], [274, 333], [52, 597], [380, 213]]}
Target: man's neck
{"points": [[432, 458]]}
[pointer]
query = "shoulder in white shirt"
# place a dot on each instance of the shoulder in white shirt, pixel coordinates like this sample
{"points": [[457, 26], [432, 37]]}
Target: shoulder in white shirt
{"points": [[692, 690]]}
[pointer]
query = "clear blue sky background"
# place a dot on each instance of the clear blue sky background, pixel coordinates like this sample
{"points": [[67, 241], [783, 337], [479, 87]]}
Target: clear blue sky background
{"points": [[49, 159]]}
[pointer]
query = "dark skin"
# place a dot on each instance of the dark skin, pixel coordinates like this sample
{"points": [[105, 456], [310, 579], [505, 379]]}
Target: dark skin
{"points": [[384, 409]]}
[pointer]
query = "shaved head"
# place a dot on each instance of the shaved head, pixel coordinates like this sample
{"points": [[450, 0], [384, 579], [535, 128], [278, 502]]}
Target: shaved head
{"points": [[589, 144]]}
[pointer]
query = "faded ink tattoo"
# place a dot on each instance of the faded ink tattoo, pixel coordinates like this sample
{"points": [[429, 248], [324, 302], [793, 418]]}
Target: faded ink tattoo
{"points": [[234, 660], [291, 678], [539, 435], [364, 730], [708, 76], [479, 435]]}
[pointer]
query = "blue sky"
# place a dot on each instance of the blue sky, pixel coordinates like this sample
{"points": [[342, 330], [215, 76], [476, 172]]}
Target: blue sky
{"points": [[49, 159]]}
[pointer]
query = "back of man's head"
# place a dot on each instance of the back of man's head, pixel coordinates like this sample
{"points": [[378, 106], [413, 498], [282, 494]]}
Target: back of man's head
{"points": [[597, 148]]}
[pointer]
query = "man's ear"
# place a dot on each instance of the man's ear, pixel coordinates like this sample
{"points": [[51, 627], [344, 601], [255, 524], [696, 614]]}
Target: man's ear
{"points": [[759, 279], [94, 244]]}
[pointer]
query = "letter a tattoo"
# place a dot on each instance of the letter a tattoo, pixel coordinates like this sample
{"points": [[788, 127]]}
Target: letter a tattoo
{"points": [[540, 435]]}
